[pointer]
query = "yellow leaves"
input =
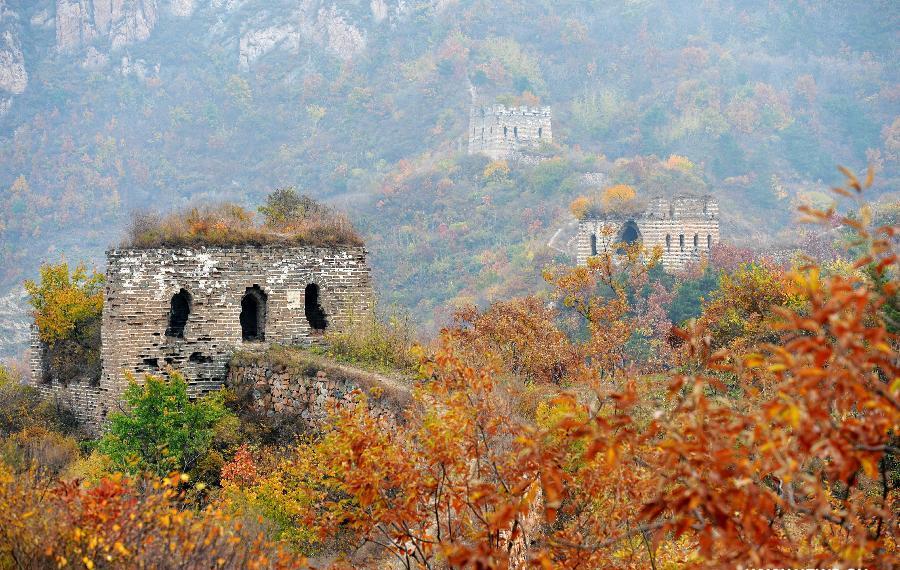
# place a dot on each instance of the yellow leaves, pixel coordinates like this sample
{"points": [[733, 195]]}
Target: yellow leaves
{"points": [[580, 206], [618, 199], [677, 162], [496, 170], [63, 298]]}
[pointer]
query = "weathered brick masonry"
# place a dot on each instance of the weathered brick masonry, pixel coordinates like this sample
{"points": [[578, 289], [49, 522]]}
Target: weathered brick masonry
{"points": [[191, 308], [79, 395], [684, 227], [504, 132], [283, 386]]}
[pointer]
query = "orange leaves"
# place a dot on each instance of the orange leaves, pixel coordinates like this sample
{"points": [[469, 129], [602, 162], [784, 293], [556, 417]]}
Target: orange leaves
{"points": [[121, 523]]}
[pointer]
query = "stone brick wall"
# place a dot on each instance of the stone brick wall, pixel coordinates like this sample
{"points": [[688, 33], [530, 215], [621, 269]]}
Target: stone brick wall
{"points": [[504, 132], [78, 395], [306, 391], [684, 228], [141, 284]]}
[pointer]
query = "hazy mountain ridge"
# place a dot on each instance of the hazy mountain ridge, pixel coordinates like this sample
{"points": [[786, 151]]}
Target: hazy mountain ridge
{"points": [[159, 103]]}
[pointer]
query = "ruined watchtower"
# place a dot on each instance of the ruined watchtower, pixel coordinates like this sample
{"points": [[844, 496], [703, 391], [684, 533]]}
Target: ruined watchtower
{"points": [[505, 132], [684, 228], [190, 308]]}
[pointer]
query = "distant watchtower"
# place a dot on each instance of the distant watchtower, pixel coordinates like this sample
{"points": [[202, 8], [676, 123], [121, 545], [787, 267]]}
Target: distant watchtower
{"points": [[683, 228], [505, 132]]}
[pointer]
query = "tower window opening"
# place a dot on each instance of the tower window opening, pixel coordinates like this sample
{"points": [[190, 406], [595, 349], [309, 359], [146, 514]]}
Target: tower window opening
{"points": [[540, 132], [516, 132], [253, 314], [315, 315], [482, 132], [708, 241], [681, 242], [505, 131], [628, 235], [179, 311], [668, 242], [593, 244], [696, 241]]}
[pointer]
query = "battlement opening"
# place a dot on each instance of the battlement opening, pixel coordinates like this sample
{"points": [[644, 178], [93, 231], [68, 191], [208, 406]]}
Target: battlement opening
{"points": [[253, 314], [315, 315], [179, 312]]}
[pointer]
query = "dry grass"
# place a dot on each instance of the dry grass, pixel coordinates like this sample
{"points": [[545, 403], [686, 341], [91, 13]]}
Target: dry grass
{"points": [[232, 225]]}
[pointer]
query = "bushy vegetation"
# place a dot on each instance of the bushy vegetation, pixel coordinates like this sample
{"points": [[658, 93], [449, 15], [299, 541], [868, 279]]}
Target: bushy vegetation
{"points": [[384, 344], [290, 218], [753, 95], [162, 431], [67, 308], [584, 432]]}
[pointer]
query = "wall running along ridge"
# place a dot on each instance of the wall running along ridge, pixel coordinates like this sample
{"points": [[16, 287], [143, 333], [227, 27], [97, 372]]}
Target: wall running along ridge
{"points": [[282, 394], [505, 132], [681, 217]]}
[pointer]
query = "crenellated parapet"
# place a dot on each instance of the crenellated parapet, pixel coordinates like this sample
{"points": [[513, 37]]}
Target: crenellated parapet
{"points": [[503, 132], [683, 228]]}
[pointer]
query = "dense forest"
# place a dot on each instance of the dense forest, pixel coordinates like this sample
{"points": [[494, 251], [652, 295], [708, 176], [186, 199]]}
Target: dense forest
{"points": [[365, 104]]}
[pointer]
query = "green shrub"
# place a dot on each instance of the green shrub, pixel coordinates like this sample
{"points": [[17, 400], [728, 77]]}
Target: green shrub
{"points": [[163, 430]]}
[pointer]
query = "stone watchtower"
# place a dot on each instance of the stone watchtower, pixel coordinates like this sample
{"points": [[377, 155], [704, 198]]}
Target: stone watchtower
{"points": [[684, 228], [190, 308], [502, 132]]}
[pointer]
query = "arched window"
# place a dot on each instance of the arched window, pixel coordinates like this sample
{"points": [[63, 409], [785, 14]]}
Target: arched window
{"points": [[482, 132], [708, 241], [540, 132], [630, 233], [681, 242], [593, 244], [696, 241], [179, 311], [315, 315], [516, 132], [505, 131], [668, 242], [253, 314]]}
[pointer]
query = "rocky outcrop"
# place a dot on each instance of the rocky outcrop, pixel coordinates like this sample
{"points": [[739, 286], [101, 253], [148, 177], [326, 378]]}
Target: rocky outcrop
{"points": [[325, 26], [181, 8], [13, 75], [116, 23], [256, 43]]}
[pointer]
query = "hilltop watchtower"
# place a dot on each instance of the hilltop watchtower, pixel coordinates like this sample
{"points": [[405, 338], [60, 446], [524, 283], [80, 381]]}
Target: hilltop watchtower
{"points": [[506, 132], [684, 228], [190, 308]]}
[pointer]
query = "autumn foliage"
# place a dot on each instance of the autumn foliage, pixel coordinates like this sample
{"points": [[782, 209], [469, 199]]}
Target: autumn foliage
{"points": [[118, 523], [289, 219], [773, 446]]}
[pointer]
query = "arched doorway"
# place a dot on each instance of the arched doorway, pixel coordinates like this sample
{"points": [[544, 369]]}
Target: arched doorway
{"points": [[253, 314], [629, 235], [179, 311], [315, 315]]}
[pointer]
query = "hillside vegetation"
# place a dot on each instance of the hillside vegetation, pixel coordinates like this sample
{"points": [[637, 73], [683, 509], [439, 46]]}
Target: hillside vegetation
{"points": [[366, 103]]}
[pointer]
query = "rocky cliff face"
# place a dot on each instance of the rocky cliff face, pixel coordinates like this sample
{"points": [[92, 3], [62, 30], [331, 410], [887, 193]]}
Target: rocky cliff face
{"points": [[118, 22], [13, 75]]}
